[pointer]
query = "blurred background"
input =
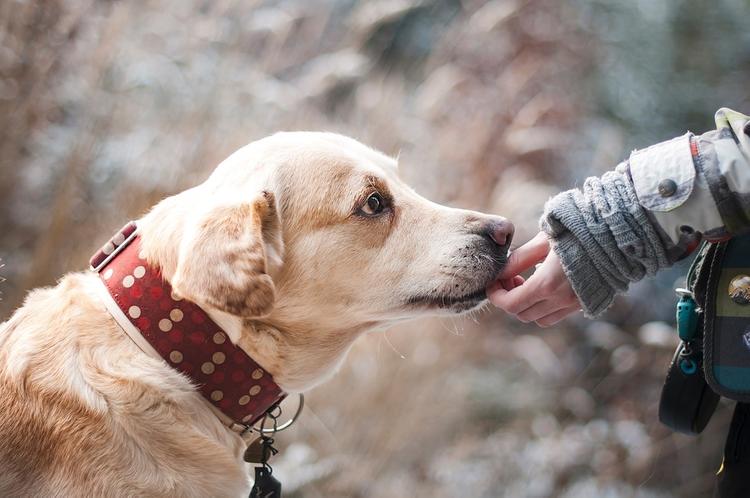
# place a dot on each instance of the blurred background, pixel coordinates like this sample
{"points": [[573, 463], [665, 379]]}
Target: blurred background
{"points": [[107, 107]]}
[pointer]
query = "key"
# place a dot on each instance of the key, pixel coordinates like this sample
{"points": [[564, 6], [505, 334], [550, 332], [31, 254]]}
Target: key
{"points": [[266, 485]]}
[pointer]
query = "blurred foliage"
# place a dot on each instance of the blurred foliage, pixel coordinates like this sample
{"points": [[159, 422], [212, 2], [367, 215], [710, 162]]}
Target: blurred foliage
{"points": [[665, 67], [106, 107]]}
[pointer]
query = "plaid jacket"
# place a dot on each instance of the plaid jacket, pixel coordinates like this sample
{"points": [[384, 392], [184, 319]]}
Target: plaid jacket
{"points": [[698, 183], [652, 210]]}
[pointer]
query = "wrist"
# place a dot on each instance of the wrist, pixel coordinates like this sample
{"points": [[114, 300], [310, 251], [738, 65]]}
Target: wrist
{"points": [[594, 294]]}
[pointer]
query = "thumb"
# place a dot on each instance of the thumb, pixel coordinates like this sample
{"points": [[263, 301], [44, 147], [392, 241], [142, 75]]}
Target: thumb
{"points": [[526, 256]]}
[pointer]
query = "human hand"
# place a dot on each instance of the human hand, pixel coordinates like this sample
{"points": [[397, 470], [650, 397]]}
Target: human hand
{"points": [[546, 297]]}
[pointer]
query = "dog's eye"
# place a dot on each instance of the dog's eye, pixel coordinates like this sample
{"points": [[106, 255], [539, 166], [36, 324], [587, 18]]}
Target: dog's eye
{"points": [[374, 205]]}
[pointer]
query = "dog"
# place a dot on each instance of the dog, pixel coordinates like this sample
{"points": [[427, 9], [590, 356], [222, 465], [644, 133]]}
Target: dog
{"points": [[295, 245]]}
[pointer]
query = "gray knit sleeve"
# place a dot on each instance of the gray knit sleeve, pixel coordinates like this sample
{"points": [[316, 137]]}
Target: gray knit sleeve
{"points": [[604, 238]]}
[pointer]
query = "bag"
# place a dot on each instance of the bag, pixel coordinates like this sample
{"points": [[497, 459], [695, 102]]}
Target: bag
{"points": [[687, 402], [713, 321], [726, 344]]}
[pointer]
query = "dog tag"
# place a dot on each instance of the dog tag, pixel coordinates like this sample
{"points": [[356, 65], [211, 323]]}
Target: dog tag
{"points": [[266, 485], [256, 452]]}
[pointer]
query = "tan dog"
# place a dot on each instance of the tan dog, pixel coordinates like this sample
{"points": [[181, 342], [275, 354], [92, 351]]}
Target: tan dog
{"points": [[296, 245]]}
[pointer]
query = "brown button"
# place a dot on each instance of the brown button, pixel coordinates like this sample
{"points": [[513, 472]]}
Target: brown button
{"points": [[667, 188], [739, 289]]}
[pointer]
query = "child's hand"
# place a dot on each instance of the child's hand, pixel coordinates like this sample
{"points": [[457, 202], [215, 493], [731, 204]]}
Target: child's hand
{"points": [[546, 297]]}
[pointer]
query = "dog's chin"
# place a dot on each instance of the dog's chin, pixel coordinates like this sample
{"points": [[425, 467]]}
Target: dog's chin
{"points": [[461, 301], [450, 303], [469, 305]]}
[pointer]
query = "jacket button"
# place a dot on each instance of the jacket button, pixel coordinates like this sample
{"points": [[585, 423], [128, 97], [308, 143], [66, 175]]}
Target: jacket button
{"points": [[739, 289], [667, 188]]}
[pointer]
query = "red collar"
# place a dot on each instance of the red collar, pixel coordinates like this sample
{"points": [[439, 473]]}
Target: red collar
{"points": [[182, 333]]}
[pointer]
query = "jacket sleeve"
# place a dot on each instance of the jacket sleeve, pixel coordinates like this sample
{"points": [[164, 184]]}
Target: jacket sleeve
{"points": [[652, 210], [698, 182]]}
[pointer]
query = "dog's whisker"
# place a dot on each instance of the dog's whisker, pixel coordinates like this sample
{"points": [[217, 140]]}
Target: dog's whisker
{"points": [[388, 341], [459, 327]]}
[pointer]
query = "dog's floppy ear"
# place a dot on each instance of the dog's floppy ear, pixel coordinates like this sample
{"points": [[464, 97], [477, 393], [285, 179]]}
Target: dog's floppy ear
{"points": [[223, 261]]}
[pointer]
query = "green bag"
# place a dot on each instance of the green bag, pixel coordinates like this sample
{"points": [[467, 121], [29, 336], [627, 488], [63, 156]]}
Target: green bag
{"points": [[726, 337], [713, 322]]}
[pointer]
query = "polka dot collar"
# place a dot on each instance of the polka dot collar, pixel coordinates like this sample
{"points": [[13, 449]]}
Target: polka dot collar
{"points": [[182, 333]]}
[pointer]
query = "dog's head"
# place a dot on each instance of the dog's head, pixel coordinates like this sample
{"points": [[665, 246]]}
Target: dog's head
{"points": [[313, 236]]}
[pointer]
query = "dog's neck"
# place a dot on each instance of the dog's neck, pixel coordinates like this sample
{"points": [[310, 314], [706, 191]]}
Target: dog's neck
{"points": [[297, 356], [296, 362], [165, 325]]}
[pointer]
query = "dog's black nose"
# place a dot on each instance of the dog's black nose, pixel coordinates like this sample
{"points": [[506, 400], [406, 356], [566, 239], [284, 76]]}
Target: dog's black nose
{"points": [[500, 231]]}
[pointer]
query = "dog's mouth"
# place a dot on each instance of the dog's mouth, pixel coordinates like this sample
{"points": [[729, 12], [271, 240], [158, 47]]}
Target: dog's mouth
{"points": [[466, 288], [457, 304]]}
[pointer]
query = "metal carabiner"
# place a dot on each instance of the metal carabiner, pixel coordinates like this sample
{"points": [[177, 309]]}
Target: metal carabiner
{"points": [[285, 425]]}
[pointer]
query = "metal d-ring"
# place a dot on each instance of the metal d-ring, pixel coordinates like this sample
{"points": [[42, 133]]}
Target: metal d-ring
{"points": [[285, 425]]}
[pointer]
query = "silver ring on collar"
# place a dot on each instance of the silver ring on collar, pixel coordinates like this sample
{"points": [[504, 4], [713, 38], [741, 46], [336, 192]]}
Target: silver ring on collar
{"points": [[285, 425]]}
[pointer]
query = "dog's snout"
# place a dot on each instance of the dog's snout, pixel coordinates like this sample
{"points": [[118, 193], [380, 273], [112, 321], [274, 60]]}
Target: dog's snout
{"points": [[500, 231]]}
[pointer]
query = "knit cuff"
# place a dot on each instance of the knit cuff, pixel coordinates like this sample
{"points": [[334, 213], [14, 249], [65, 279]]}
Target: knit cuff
{"points": [[593, 292], [604, 238]]}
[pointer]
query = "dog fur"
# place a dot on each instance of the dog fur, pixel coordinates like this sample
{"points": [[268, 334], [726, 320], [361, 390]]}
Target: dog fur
{"points": [[277, 247]]}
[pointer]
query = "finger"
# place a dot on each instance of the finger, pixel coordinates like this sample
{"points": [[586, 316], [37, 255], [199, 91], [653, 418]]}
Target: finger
{"points": [[516, 300], [506, 283], [538, 311], [557, 316], [495, 286], [512, 283], [526, 256]]}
